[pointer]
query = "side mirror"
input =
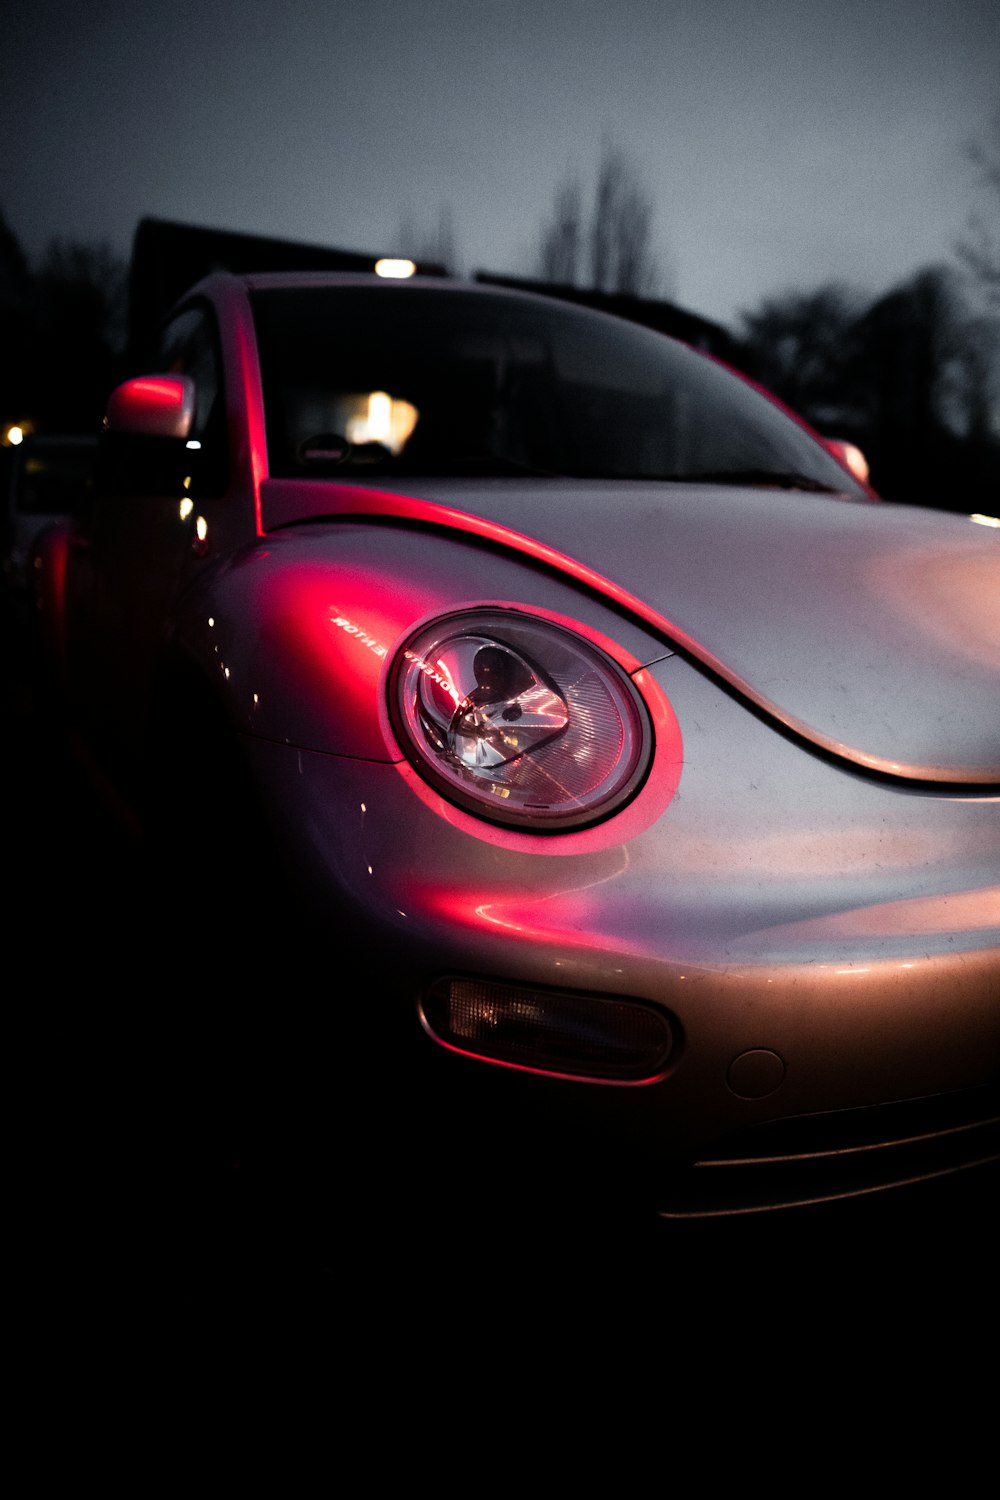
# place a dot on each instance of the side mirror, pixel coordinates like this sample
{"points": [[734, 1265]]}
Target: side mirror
{"points": [[152, 406], [143, 448]]}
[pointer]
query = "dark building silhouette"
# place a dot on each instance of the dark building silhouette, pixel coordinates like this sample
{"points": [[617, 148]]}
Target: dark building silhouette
{"points": [[168, 258]]}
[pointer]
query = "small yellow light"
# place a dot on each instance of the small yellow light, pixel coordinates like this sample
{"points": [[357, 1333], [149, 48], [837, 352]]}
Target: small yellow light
{"points": [[15, 435], [397, 270], [187, 506], [985, 520], [201, 528]]}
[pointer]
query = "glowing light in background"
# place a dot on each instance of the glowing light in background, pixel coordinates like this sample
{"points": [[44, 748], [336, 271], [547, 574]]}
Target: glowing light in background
{"points": [[395, 269], [379, 416], [376, 417]]}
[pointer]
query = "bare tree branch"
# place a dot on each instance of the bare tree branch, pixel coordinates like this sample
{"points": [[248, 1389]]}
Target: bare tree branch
{"points": [[979, 249], [620, 228], [562, 237], [437, 244], [615, 245]]}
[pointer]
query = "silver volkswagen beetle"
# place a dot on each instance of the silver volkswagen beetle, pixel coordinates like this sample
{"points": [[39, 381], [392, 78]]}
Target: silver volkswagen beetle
{"points": [[634, 770]]}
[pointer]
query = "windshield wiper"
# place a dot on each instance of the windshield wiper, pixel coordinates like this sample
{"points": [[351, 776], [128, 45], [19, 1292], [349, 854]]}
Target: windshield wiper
{"points": [[487, 466], [790, 480]]}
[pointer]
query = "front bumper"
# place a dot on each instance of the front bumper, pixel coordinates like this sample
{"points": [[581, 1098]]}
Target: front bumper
{"points": [[821, 940]]}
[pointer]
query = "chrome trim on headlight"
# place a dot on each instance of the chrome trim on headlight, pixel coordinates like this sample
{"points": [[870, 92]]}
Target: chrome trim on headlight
{"points": [[519, 720]]}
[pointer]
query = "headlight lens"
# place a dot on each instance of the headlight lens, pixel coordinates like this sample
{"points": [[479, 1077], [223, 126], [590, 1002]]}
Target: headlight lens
{"points": [[519, 720]]}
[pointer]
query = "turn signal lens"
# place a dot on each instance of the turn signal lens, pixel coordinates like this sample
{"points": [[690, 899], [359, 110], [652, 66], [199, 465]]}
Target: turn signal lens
{"points": [[603, 1038], [519, 720]]}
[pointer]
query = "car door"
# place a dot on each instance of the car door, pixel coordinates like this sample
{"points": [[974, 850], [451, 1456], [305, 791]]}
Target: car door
{"points": [[128, 565]]}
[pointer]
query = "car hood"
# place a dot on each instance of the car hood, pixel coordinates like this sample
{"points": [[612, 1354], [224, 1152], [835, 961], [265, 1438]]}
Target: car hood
{"points": [[871, 629]]}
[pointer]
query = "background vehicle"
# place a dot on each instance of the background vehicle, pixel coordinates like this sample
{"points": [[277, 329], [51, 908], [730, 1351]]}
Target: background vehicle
{"points": [[48, 478]]}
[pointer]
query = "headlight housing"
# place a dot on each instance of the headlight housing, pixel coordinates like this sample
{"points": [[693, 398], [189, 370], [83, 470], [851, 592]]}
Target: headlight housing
{"points": [[519, 720]]}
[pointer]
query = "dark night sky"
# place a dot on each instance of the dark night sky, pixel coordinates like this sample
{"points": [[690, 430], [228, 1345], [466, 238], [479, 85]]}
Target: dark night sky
{"points": [[784, 142]]}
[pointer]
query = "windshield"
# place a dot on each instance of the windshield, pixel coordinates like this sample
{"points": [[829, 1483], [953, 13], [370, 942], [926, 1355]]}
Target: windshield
{"points": [[414, 380]]}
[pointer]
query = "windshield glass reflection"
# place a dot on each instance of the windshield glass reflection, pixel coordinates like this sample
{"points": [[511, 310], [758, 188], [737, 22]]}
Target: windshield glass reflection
{"points": [[413, 380]]}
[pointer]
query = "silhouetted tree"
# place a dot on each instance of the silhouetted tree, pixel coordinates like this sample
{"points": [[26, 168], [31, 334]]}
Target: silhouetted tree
{"points": [[621, 228], [979, 249], [927, 379], [437, 244], [61, 330], [802, 346], [13, 263], [912, 341], [19, 367], [561, 247], [81, 303], [613, 246], [911, 377]]}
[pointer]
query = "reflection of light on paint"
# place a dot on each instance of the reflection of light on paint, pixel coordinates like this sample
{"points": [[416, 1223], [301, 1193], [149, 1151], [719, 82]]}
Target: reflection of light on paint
{"points": [[361, 635], [192, 443], [575, 912], [201, 528], [488, 914], [446, 685], [429, 672], [853, 971], [985, 520], [187, 506], [211, 621]]}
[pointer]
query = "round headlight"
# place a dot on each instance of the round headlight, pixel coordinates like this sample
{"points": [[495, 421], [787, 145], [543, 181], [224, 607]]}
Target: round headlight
{"points": [[519, 720]]}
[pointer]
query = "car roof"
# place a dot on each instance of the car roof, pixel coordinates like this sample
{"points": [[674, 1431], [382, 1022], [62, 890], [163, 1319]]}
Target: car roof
{"points": [[304, 280]]}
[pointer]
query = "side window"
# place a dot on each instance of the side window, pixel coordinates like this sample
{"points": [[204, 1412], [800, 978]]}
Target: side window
{"points": [[189, 346]]}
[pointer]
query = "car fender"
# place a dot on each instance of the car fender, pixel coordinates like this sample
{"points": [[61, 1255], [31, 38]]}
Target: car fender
{"points": [[297, 635]]}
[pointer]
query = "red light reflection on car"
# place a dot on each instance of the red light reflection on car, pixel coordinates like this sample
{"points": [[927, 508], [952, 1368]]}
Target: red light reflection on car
{"points": [[570, 920], [149, 401]]}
